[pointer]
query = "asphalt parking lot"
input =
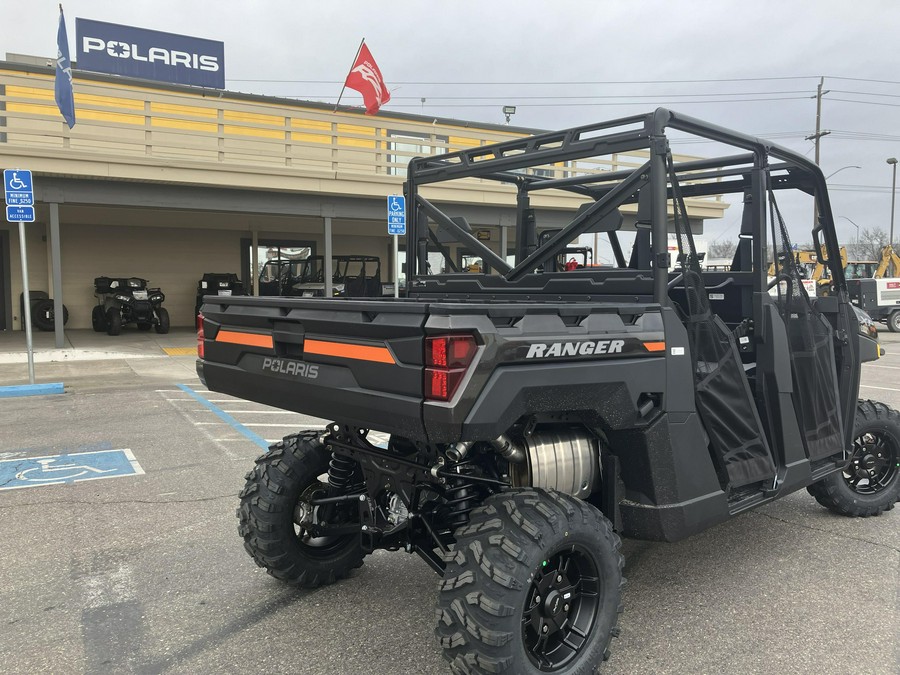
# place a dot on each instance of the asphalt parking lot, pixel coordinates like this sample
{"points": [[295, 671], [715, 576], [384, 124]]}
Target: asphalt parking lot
{"points": [[145, 573]]}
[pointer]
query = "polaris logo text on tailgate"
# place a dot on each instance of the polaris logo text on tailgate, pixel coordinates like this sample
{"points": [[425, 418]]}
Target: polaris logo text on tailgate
{"points": [[296, 368], [543, 350]]}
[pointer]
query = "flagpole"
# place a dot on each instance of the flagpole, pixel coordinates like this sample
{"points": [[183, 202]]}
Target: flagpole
{"points": [[352, 63]]}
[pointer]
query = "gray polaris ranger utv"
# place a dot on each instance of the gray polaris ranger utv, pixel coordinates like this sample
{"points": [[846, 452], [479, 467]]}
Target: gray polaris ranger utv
{"points": [[507, 426]]}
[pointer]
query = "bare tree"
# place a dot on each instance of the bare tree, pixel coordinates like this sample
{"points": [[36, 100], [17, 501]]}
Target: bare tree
{"points": [[870, 244], [721, 249]]}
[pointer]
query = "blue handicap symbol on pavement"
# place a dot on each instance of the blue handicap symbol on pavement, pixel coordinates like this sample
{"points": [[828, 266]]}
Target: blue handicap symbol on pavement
{"points": [[68, 468]]}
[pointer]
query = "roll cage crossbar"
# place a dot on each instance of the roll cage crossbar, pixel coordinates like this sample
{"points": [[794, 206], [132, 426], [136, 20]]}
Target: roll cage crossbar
{"points": [[757, 167]]}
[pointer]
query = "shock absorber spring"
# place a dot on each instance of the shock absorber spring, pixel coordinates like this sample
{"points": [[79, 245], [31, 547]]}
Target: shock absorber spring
{"points": [[462, 497], [340, 473]]}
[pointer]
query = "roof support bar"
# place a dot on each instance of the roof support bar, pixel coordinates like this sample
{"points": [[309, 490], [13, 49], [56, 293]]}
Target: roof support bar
{"points": [[583, 222], [463, 237]]}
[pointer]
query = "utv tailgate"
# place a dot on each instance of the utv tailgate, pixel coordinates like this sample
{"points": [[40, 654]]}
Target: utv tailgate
{"points": [[357, 361]]}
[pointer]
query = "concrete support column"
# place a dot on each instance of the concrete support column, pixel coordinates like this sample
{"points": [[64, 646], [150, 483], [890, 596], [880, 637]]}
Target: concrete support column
{"points": [[504, 241], [329, 272], [254, 261], [56, 275]]}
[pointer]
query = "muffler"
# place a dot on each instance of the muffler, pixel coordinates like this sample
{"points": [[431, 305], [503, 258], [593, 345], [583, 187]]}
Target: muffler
{"points": [[561, 458]]}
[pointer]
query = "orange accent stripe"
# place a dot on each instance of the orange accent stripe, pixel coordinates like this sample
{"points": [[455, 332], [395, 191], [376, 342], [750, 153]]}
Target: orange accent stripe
{"points": [[655, 346], [348, 351], [249, 339]]}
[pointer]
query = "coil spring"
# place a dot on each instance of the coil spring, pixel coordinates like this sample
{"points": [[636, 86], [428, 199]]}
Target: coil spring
{"points": [[340, 472], [461, 498]]}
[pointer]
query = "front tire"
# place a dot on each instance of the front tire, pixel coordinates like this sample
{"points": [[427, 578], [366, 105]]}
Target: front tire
{"points": [[893, 322], [113, 321], [98, 319], [870, 484], [273, 497], [533, 585], [163, 326]]}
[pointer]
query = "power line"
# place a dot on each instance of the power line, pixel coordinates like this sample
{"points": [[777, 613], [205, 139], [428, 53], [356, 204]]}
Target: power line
{"points": [[554, 82], [864, 93], [605, 96], [846, 100], [860, 188], [559, 105], [861, 79]]}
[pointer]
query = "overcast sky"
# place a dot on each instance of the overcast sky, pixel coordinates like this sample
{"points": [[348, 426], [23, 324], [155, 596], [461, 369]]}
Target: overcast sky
{"points": [[564, 63]]}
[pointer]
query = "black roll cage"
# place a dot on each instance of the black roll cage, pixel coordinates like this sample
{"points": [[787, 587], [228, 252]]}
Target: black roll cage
{"points": [[752, 172]]}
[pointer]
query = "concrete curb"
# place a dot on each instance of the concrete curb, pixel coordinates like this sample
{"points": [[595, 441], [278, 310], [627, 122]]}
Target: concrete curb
{"points": [[32, 389], [57, 355]]}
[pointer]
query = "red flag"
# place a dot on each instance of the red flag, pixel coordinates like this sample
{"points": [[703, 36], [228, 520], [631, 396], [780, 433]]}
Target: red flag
{"points": [[365, 77]]}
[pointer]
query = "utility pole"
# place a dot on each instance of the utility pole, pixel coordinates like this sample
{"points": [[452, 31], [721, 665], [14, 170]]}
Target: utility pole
{"points": [[816, 136], [893, 162]]}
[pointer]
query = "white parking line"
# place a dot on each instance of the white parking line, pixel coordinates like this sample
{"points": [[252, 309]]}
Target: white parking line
{"points": [[869, 386], [262, 412], [291, 426]]}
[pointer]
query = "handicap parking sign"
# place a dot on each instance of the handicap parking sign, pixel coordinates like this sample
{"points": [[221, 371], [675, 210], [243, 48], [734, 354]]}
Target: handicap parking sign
{"points": [[67, 468], [396, 214], [18, 188]]}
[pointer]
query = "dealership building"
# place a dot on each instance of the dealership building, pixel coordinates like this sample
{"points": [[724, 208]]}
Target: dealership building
{"points": [[168, 181]]}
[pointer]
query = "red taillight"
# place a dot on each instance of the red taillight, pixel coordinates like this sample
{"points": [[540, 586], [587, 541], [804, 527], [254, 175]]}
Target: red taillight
{"points": [[449, 351], [446, 358], [200, 335]]}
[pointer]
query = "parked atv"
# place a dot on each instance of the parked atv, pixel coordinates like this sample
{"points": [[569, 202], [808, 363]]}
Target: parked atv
{"points": [[123, 301]]}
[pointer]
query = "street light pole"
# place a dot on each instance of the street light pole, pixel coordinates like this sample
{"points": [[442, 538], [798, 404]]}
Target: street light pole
{"points": [[849, 166], [893, 162], [856, 252]]}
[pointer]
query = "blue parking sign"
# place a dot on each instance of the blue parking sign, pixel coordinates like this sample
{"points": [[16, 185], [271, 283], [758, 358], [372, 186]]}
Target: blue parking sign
{"points": [[18, 188], [20, 214], [396, 214]]}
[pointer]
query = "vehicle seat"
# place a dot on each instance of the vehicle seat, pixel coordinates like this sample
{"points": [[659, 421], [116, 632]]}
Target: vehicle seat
{"points": [[374, 287], [355, 287]]}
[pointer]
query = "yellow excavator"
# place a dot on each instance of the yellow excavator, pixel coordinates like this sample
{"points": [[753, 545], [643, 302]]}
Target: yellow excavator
{"points": [[817, 270], [814, 268], [889, 266]]}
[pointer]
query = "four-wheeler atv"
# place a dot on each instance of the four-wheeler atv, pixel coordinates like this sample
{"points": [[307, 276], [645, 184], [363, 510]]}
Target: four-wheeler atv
{"points": [[121, 301], [509, 426]]}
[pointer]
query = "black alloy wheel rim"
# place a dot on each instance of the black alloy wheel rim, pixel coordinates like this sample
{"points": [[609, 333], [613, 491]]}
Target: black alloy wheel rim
{"points": [[874, 463], [561, 608]]}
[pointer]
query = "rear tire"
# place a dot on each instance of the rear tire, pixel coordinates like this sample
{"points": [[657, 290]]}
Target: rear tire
{"points": [[43, 317], [870, 484], [98, 319], [271, 499], [533, 585], [113, 321], [163, 325], [893, 322]]}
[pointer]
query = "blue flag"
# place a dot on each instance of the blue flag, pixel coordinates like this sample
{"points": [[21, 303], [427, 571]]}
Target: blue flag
{"points": [[65, 99]]}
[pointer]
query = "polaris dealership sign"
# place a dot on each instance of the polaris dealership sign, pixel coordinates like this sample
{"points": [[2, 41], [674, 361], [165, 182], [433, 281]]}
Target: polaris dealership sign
{"points": [[149, 54]]}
